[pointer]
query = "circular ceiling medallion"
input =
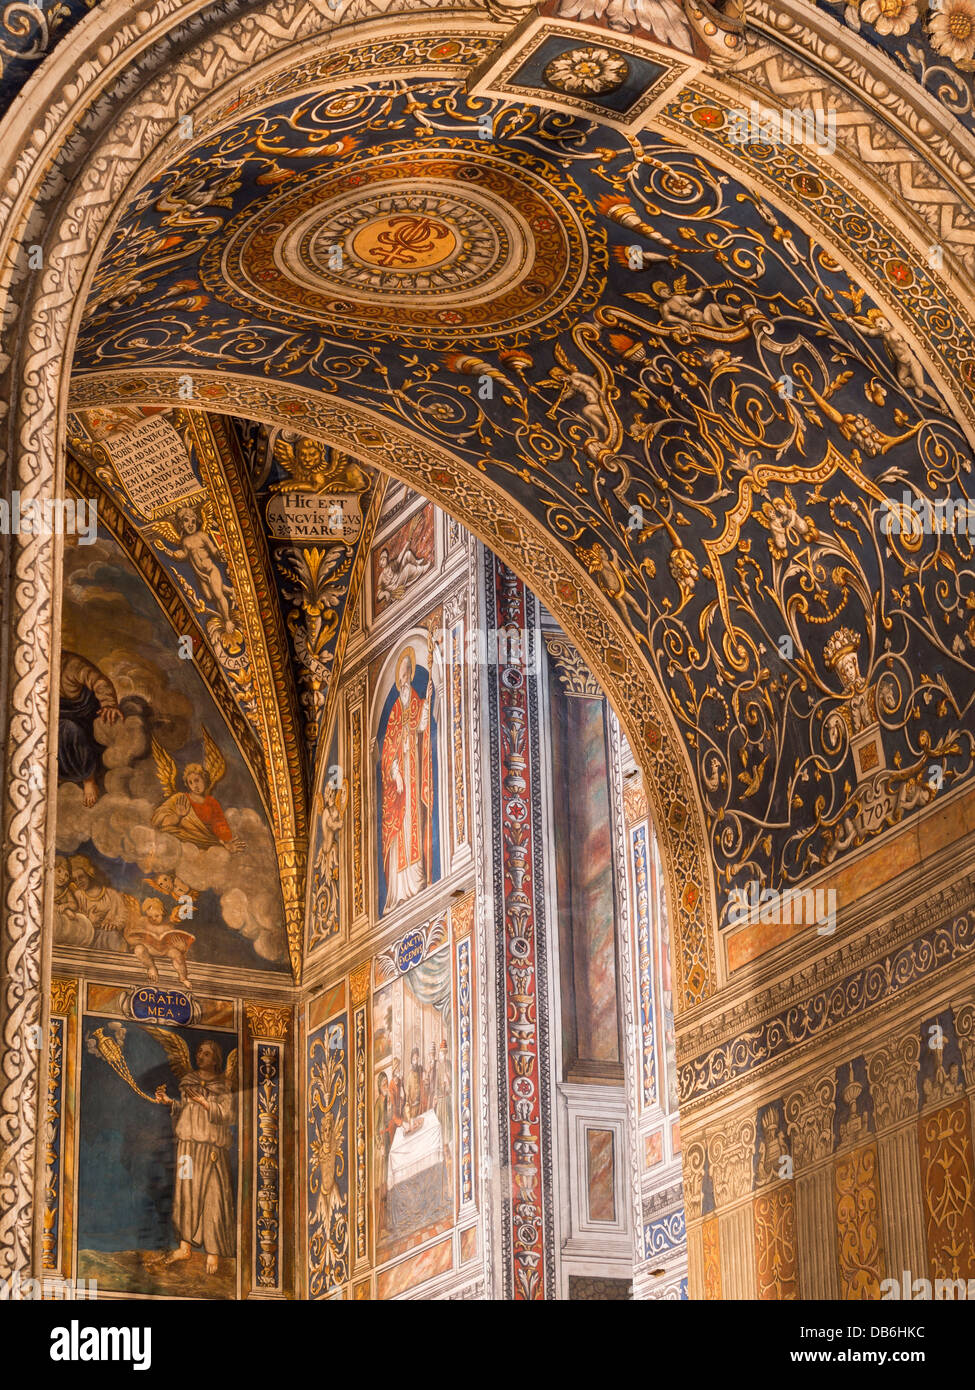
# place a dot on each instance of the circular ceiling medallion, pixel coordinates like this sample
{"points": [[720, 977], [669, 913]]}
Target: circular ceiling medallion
{"points": [[426, 247]]}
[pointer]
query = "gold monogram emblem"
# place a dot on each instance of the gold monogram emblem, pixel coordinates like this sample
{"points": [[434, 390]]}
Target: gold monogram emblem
{"points": [[404, 240]]}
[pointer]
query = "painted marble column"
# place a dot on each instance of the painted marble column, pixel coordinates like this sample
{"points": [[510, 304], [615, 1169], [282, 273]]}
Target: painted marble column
{"points": [[809, 1114], [527, 1224], [892, 1071]]}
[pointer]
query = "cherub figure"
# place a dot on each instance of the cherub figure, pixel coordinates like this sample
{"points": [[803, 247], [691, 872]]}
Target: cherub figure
{"points": [[330, 805], [193, 815], [678, 308], [180, 894], [149, 935], [200, 550], [609, 577], [783, 522], [596, 408], [907, 369], [72, 927]]}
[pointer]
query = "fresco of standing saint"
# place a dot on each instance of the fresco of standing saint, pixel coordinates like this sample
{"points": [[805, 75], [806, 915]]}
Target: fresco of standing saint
{"points": [[203, 1118], [157, 1174], [407, 776]]}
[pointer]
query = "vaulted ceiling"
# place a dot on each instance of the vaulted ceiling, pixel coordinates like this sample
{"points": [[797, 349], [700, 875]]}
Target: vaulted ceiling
{"points": [[709, 370]]}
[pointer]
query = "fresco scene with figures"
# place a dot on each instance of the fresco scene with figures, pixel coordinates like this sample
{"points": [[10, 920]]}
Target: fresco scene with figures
{"points": [[487, 652]]}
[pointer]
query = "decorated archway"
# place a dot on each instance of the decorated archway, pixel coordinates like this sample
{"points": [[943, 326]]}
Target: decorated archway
{"points": [[697, 391]]}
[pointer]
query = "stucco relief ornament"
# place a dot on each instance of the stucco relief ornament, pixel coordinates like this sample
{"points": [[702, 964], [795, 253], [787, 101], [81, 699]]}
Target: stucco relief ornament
{"points": [[950, 24], [590, 70], [889, 16], [951, 29], [661, 18]]}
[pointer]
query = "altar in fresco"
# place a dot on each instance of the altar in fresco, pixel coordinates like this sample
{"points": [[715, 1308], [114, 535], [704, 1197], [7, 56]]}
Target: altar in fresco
{"points": [[413, 1086]]}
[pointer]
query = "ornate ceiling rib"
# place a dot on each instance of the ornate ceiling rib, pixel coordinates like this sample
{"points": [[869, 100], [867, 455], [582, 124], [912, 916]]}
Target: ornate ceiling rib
{"points": [[249, 566]]}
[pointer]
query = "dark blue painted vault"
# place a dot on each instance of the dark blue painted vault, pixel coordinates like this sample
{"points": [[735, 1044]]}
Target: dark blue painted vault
{"points": [[714, 419]]}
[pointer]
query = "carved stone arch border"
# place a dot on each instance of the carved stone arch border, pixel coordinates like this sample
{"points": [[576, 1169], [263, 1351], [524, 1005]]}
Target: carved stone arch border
{"points": [[68, 158]]}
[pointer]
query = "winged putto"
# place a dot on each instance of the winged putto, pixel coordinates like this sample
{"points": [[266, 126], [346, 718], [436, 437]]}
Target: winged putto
{"points": [[194, 814]]}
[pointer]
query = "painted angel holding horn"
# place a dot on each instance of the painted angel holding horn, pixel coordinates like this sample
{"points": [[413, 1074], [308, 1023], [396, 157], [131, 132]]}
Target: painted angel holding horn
{"points": [[194, 814], [203, 1120]]}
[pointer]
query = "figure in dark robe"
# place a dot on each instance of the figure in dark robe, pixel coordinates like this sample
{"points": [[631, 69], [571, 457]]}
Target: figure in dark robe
{"points": [[414, 1090], [85, 695]]}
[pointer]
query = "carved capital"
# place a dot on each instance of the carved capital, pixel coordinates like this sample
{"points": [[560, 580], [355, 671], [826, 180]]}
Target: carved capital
{"points": [[730, 1150], [359, 983], [573, 672], [268, 1022], [892, 1073], [462, 916], [695, 1157], [809, 1114], [453, 609], [635, 805], [64, 995], [356, 690]]}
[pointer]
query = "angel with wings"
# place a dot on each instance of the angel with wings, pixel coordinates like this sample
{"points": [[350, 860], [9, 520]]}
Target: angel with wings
{"points": [[203, 1120], [678, 308], [195, 544], [596, 394], [193, 815]]}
